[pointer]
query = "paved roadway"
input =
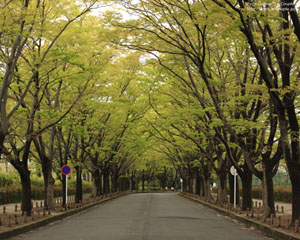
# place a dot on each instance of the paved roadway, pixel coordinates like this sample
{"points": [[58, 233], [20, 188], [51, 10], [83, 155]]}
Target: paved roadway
{"points": [[154, 216]]}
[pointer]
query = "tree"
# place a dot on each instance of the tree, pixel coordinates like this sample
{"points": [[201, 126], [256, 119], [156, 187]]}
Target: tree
{"points": [[277, 67], [30, 73], [188, 30], [13, 41]]}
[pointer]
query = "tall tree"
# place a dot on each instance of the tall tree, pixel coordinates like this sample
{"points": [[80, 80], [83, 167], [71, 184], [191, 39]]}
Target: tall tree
{"points": [[275, 57]]}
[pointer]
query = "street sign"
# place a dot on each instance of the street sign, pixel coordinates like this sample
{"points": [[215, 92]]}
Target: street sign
{"points": [[233, 171], [65, 170], [181, 183]]}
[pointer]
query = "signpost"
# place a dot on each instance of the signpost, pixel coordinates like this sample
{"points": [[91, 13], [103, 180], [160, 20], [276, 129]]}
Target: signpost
{"points": [[181, 182], [65, 170], [234, 173]]}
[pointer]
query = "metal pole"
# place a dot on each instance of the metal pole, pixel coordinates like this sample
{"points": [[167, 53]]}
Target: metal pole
{"points": [[181, 181], [66, 189], [234, 195]]}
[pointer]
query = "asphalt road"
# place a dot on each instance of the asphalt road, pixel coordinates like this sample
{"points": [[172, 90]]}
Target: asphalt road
{"points": [[157, 216]]}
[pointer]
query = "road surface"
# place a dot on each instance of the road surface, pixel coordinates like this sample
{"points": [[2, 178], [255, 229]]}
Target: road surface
{"points": [[145, 216]]}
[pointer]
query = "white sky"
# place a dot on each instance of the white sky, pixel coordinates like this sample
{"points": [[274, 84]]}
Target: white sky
{"points": [[113, 7]]}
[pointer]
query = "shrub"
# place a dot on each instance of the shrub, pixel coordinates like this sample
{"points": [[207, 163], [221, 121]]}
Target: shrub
{"points": [[13, 193], [281, 194], [35, 181], [8, 179], [256, 192]]}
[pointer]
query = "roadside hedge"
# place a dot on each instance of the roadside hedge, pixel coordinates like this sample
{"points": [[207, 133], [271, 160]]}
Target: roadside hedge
{"points": [[281, 193], [7, 180], [13, 193]]}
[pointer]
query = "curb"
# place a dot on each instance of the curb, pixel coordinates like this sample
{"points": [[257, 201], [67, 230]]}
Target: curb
{"points": [[267, 230], [43, 222]]}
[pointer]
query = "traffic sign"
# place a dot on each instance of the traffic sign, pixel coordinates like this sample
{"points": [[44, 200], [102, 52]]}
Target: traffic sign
{"points": [[233, 171], [181, 183], [65, 170]]}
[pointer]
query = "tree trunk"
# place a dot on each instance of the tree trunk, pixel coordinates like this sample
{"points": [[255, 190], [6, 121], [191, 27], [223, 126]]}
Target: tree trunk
{"points": [[26, 190], [222, 187], [206, 187], [49, 191], [111, 180], [202, 187], [3, 133], [291, 155], [268, 191], [48, 182], [130, 183], [184, 185], [149, 185], [115, 183], [127, 183], [106, 184], [133, 182], [78, 194], [97, 183], [295, 197], [246, 188], [190, 184], [137, 184], [198, 183], [143, 181]]}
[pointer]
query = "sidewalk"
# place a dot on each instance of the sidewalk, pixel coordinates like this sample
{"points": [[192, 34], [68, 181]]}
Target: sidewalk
{"points": [[11, 207], [277, 227], [287, 207], [13, 222]]}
